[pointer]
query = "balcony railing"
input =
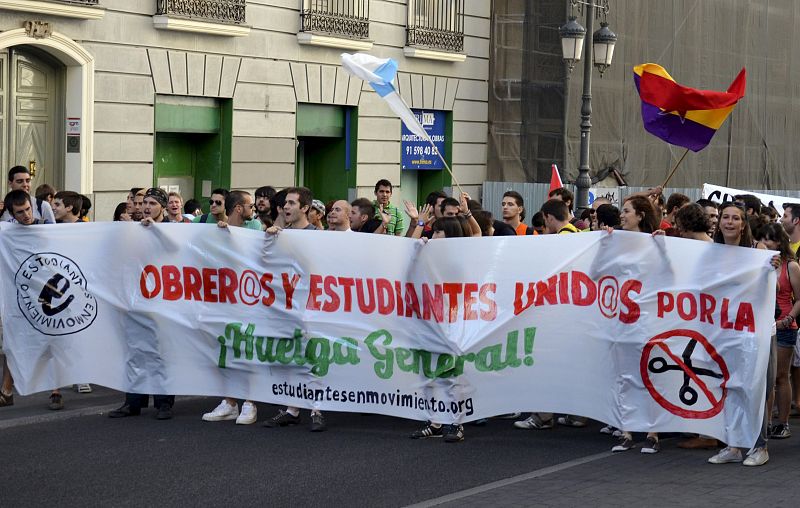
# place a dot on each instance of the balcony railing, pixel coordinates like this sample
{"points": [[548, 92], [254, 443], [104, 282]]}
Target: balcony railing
{"points": [[436, 24], [79, 2], [339, 18], [216, 11]]}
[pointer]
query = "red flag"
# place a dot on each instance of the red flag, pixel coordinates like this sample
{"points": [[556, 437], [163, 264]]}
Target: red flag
{"points": [[555, 179]]}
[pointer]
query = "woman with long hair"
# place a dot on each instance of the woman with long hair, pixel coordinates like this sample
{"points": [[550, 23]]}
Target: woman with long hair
{"points": [[638, 214], [443, 227], [734, 230], [787, 297]]}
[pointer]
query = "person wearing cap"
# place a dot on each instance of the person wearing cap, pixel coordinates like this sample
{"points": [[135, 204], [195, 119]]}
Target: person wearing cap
{"points": [[316, 213], [153, 208], [154, 205]]}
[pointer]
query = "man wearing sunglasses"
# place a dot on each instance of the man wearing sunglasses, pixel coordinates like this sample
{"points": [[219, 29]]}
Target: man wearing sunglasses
{"points": [[217, 208], [239, 209]]}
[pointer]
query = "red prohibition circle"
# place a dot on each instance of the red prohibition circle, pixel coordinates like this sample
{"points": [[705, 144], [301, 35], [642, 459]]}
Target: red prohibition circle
{"points": [[659, 341]]}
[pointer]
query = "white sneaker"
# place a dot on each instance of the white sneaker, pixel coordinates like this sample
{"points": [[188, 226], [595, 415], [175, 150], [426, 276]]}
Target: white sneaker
{"points": [[85, 388], [757, 457], [726, 455], [533, 422], [248, 415], [222, 412]]}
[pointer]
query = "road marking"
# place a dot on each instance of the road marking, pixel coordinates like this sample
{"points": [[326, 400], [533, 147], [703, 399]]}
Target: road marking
{"points": [[455, 496], [57, 416]]}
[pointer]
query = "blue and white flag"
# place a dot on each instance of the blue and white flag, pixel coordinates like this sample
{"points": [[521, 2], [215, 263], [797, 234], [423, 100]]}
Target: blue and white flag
{"points": [[380, 74]]}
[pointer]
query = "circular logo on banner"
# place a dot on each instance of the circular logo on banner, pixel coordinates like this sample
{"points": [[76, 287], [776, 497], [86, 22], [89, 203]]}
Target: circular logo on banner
{"points": [[52, 294], [687, 381]]}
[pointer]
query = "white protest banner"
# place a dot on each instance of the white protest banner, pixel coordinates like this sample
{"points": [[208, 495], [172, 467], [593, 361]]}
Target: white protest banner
{"points": [[719, 194], [647, 334]]}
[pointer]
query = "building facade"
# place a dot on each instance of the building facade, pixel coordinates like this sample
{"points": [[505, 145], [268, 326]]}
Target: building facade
{"points": [[99, 96], [535, 102]]}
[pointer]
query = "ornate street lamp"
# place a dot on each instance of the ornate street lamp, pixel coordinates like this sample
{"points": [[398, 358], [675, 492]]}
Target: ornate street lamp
{"points": [[600, 51], [603, 41], [572, 35]]}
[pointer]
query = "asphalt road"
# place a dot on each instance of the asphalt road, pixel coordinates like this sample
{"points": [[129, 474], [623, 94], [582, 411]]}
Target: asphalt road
{"points": [[80, 457]]}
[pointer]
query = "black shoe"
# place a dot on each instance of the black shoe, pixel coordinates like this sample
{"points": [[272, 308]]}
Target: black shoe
{"points": [[318, 422], [454, 434], [282, 419], [6, 400], [56, 402], [123, 411], [164, 412], [427, 431]]}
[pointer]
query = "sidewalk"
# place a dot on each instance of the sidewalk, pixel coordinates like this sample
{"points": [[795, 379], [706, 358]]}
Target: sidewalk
{"points": [[673, 477], [33, 408]]}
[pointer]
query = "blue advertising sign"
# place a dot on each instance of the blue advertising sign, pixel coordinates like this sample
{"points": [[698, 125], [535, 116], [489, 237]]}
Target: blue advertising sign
{"points": [[418, 153]]}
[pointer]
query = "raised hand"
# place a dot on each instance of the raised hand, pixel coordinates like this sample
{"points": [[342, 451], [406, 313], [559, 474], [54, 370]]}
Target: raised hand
{"points": [[411, 210]]}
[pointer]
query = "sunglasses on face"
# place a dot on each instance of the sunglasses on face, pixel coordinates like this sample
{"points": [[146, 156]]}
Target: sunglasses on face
{"points": [[213, 202], [262, 196], [735, 204]]}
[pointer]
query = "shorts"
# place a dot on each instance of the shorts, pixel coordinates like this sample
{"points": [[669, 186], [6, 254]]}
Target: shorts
{"points": [[796, 357], [787, 338]]}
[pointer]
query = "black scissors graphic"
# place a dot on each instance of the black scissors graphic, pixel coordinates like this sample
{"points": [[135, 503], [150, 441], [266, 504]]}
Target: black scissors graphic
{"points": [[687, 394]]}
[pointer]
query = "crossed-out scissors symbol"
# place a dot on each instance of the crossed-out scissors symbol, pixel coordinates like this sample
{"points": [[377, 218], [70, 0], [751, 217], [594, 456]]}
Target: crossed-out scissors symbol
{"points": [[687, 394]]}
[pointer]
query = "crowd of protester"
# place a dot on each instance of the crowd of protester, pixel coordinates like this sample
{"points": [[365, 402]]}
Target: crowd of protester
{"points": [[744, 222]]}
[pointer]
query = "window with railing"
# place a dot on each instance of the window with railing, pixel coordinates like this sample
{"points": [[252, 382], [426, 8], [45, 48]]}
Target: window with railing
{"points": [[338, 18], [216, 11], [436, 24]]}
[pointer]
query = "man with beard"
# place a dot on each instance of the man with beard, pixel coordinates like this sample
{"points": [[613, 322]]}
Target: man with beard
{"points": [[154, 202], [138, 205], [339, 216], [263, 208], [154, 206], [239, 209]]}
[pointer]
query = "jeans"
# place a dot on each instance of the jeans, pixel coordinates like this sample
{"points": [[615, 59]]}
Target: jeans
{"points": [[763, 437]]}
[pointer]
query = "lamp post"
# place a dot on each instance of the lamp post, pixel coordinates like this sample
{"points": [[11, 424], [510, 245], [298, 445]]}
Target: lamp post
{"points": [[599, 51]]}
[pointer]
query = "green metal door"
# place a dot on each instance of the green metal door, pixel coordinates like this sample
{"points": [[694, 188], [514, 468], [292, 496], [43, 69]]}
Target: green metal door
{"points": [[326, 152]]}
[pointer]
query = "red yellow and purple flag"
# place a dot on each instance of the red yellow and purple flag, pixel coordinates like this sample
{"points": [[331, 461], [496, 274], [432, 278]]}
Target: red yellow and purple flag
{"points": [[681, 115]]}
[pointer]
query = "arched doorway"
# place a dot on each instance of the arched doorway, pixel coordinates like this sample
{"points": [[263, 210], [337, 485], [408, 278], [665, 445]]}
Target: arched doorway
{"points": [[32, 120], [76, 68]]}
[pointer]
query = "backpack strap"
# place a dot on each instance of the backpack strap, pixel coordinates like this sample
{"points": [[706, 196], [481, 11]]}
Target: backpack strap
{"points": [[203, 218], [39, 206]]}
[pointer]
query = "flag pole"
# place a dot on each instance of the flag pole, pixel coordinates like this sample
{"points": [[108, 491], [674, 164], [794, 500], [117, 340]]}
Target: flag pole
{"points": [[672, 173], [452, 176]]}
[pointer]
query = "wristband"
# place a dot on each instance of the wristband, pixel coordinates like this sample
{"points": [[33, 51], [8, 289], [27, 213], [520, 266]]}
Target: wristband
{"points": [[468, 215], [421, 224]]}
